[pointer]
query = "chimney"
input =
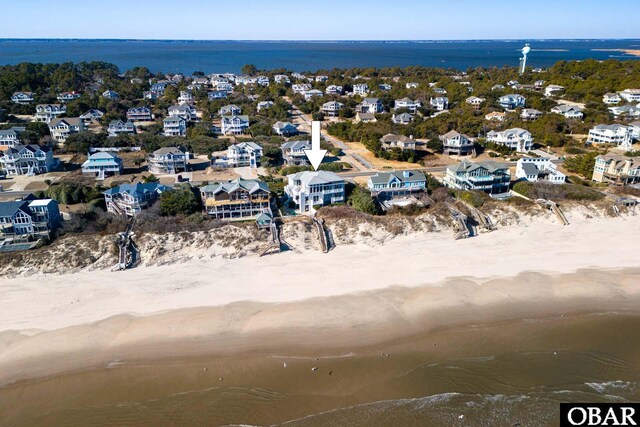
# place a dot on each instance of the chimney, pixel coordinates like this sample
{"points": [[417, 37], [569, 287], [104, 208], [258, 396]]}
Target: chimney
{"points": [[406, 174], [410, 136]]}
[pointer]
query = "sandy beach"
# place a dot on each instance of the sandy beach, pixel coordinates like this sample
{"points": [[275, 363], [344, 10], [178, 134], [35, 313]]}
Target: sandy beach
{"points": [[537, 269]]}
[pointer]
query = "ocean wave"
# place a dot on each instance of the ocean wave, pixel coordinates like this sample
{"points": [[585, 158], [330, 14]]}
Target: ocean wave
{"points": [[608, 387]]}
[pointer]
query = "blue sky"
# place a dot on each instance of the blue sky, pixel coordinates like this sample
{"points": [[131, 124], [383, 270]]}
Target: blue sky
{"points": [[321, 20]]}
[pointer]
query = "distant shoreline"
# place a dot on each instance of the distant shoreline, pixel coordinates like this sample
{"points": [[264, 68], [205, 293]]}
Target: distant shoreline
{"points": [[632, 52], [576, 40]]}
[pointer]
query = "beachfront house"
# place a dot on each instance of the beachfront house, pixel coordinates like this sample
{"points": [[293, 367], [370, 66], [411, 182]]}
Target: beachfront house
{"points": [[216, 94], [456, 143], [475, 102], [234, 125], [333, 90], [92, 115], [387, 186], [68, 96], [300, 88], [264, 105], [186, 97], [625, 111], [360, 89], [440, 103], [391, 141], [611, 98], [185, 111], [371, 105], [310, 190], [47, 112], [630, 95], [139, 114], [230, 109], [237, 199], [167, 160], [407, 103], [517, 139], [553, 90], [365, 117], [174, 126], [332, 108], [102, 164], [313, 93], [10, 137], [402, 119], [539, 169], [28, 218], [490, 177], [281, 79], [110, 94], [22, 97], [61, 129], [512, 101], [27, 160], [615, 134], [285, 129], [244, 154], [131, 199], [120, 127], [569, 111], [293, 152], [617, 169], [530, 114], [496, 116]]}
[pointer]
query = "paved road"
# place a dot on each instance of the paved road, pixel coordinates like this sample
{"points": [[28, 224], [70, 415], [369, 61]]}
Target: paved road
{"points": [[428, 169], [304, 123]]}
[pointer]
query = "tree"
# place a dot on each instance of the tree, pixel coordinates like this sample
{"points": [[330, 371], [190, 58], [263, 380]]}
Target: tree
{"points": [[582, 164], [361, 200], [40, 128], [81, 142], [249, 69], [180, 201]]}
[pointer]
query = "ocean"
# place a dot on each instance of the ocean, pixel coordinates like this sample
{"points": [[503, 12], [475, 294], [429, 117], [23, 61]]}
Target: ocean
{"points": [[229, 56], [509, 373]]}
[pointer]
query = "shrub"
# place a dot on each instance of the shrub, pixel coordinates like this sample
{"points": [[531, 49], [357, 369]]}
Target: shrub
{"points": [[474, 198], [180, 201], [361, 200]]}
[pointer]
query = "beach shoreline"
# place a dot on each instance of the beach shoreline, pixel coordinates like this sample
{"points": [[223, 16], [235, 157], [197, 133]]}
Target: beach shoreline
{"points": [[355, 295]]}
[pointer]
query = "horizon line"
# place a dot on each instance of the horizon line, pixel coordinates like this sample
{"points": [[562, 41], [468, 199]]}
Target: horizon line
{"points": [[567, 39]]}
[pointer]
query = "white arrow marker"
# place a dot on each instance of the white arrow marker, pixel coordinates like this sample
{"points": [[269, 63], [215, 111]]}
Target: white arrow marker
{"points": [[315, 155]]}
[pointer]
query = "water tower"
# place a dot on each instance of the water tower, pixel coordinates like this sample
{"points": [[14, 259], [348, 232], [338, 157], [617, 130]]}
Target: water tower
{"points": [[523, 61]]}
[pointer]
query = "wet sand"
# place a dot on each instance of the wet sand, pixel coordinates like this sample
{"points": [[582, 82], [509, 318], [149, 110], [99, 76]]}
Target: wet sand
{"points": [[511, 346], [499, 373]]}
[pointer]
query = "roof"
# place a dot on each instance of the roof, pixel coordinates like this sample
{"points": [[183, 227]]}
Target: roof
{"points": [[250, 185], [386, 177], [138, 188], [529, 168], [467, 166], [30, 147], [102, 155], [621, 160], [249, 144], [41, 202], [454, 134], [297, 145], [315, 177], [71, 121], [168, 150], [391, 137], [8, 209], [281, 125]]}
